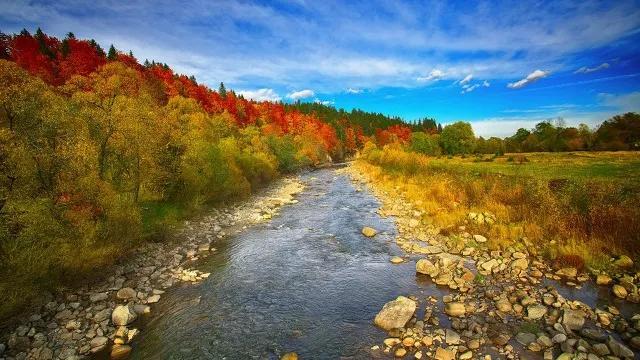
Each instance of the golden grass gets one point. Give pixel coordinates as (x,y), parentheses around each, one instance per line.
(567,214)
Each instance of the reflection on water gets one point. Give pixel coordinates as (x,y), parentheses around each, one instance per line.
(308,281)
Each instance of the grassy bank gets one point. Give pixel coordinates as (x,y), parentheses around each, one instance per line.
(574,207)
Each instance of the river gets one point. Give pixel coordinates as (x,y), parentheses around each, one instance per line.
(308,281)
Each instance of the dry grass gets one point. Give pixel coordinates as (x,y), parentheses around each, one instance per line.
(574,208)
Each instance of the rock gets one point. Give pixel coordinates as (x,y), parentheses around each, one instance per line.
(400,352)
(535,312)
(396,260)
(501,339)
(466,355)
(140,309)
(390,342)
(480,238)
(600,349)
(568,272)
(153,299)
(489,265)
(619,291)
(289,356)
(603,279)
(396,313)
(369,231)
(452,337)
(623,262)
(444,354)
(98,297)
(427,250)
(122,315)
(565,356)
(634,342)
(455,309)
(424,266)
(593,334)
(618,349)
(126,293)
(102,315)
(573,319)
(408,342)
(520,264)
(98,341)
(525,338)
(120,352)
(503,305)
(559,338)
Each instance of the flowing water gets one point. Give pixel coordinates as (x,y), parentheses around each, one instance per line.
(307,281)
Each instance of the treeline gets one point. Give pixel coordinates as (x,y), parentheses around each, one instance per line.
(621,132)
(99,152)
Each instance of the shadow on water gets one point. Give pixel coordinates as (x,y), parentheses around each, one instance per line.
(307,281)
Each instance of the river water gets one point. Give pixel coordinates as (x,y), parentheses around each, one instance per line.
(307,281)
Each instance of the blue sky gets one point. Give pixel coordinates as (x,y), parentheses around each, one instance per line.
(500,65)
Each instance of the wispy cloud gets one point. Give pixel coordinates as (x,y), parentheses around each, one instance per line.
(586,70)
(434,75)
(533,77)
(260,95)
(302,94)
(466,79)
(323,102)
(354,91)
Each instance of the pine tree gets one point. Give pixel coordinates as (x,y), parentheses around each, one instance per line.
(113,54)
(222,91)
(71,35)
(147,64)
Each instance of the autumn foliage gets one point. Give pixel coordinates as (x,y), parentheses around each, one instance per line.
(99,152)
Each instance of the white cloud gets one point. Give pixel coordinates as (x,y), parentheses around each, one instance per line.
(354,91)
(434,75)
(629,102)
(486,83)
(466,79)
(586,70)
(302,94)
(260,95)
(466,88)
(323,102)
(533,77)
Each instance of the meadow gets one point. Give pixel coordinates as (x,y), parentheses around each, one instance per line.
(577,207)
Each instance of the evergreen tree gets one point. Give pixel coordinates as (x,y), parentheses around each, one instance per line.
(71,35)
(222,91)
(113,54)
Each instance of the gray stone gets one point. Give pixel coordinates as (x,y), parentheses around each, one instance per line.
(123,315)
(573,319)
(396,313)
(525,338)
(618,349)
(126,293)
(98,297)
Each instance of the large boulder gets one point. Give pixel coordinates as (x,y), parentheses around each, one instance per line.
(395,314)
(123,315)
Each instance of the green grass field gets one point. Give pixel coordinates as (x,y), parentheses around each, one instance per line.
(622,167)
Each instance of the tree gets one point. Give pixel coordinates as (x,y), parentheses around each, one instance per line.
(621,132)
(112,55)
(425,144)
(458,138)
(222,91)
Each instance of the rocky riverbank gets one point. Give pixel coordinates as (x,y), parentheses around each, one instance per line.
(101,318)
(503,303)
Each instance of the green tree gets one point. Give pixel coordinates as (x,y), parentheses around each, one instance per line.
(458,138)
(112,55)
(425,144)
